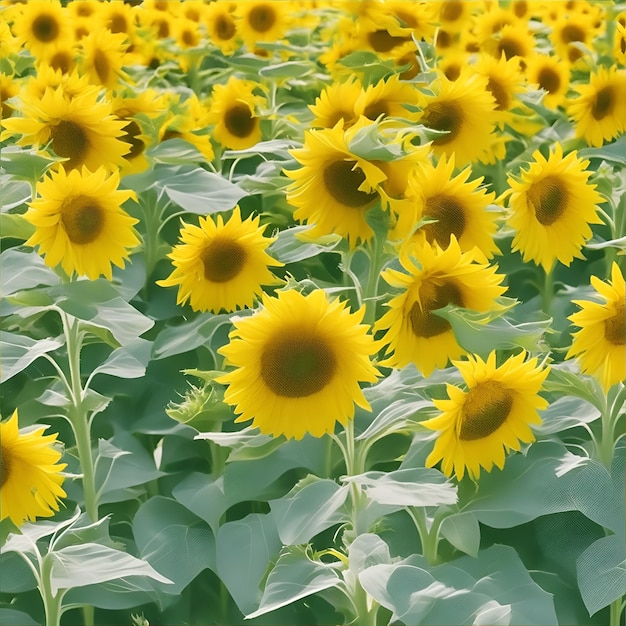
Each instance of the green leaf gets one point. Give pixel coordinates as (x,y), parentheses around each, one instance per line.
(174,541)
(19,351)
(128,361)
(23,270)
(566,412)
(204,496)
(366,551)
(24,164)
(289,247)
(294,576)
(13,225)
(312,506)
(15,575)
(14,193)
(602,572)
(11,617)
(245,549)
(562,380)
(92,563)
(463,532)
(288,69)
(612,152)
(407,487)
(202,192)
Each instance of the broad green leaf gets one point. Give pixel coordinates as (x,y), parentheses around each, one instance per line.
(14,193)
(128,361)
(613,152)
(19,351)
(399,415)
(493,614)
(566,412)
(288,69)
(601,572)
(174,541)
(204,496)
(369,143)
(11,617)
(175,151)
(278,148)
(407,487)
(308,510)
(15,575)
(245,549)
(24,164)
(291,245)
(14,226)
(23,270)
(463,532)
(293,577)
(202,192)
(92,563)
(562,380)
(366,551)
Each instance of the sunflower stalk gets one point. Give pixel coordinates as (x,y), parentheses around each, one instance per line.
(52,603)
(429,538)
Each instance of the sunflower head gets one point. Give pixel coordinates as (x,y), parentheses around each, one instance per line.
(479,425)
(298,364)
(30,473)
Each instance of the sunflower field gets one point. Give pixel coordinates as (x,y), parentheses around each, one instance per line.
(312,312)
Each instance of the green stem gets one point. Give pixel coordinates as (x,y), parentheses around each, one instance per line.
(354,466)
(52,603)
(78,416)
(547,291)
(371,289)
(615,612)
(428,538)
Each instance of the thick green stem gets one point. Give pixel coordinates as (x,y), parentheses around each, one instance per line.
(354,466)
(428,538)
(547,292)
(52,603)
(615,612)
(78,416)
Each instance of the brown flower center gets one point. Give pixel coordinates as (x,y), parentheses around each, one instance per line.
(5,465)
(45,28)
(510,47)
(131,136)
(451,10)
(102,66)
(444,116)
(450,216)
(239,121)
(70,141)
(223,259)
(572,32)
(383,41)
(499,93)
(343,182)
(604,103)
(261,18)
(375,109)
(548,197)
(118,23)
(224,28)
(296,364)
(62,61)
(486,408)
(549,80)
(614,327)
(82,218)
(424,322)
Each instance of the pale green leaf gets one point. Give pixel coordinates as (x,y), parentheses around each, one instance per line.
(463,532)
(291,245)
(128,361)
(23,270)
(19,351)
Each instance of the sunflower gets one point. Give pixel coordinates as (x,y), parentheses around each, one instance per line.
(504,79)
(334,188)
(8,89)
(337,102)
(512,41)
(79,222)
(81,129)
(551,74)
(233,110)
(599,344)
(573,29)
(30,473)
(38,25)
(456,15)
(458,204)
(388,97)
(599,112)
(260,20)
(619,45)
(59,57)
(552,206)
(465,109)
(118,18)
(478,426)
(435,278)
(299,362)
(222,26)
(221,266)
(102,55)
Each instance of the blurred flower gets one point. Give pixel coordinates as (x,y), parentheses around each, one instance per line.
(259,20)
(102,56)
(80,224)
(337,102)
(550,73)
(299,362)
(435,278)
(478,426)
(221,266)
(221,26)
(553,205)
(30,473)
(599,344)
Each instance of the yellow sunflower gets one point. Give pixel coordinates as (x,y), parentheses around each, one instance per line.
(599,112)
(79,222)
(599,344)
(479,426)
(233,110)
(299,362)
(465,109)
(222,26)
(458,204)
(337,102)
(221,266)
(388,97)
(118,17)
(102,56)
(37,25)
(333,189)
(504,79)
(81,129)
(435,278)
(8,89)
(552,206)
(456,15)
(551,74)
(573,29)
(512,41)
(260,20)
(619,45)
(30,473)
(59,57)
